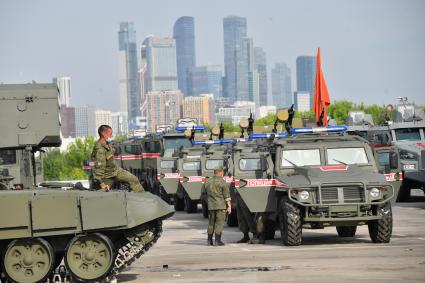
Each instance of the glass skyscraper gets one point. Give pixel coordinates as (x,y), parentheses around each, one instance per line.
(128,72)
(235,65)
(281,86)
(306,74)
(260,65)
(184,34)
(205,79)
(159,55)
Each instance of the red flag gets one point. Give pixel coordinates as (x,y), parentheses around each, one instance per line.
(321,96)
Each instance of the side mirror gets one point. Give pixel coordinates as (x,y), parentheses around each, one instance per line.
(393,160)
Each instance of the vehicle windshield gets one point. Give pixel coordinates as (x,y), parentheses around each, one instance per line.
(250,164)
(346,155)
(167,164)
(300,157)
(214,163)
(192,166)
(408,134)
(7,156)
(177,142)
(384,158)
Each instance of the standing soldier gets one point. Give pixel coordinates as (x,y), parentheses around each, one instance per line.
(106,171)
(218,204)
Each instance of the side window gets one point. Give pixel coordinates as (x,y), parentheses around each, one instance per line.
(152,146)
(132,149)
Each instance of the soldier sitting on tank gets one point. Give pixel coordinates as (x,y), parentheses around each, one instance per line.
(105,169)
(218,196)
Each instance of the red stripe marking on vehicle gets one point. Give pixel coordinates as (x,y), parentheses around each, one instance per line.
(191,179)
(264,183)
(334,168)
(390,177)
(420,144)
(151,155)
(228,179)
(117,157)
(131,157)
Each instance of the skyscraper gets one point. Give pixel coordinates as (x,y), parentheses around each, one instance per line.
(260,64)
(85,122)
(159,55)
(234,31)
(202,108)
(184,34)
(128,72)
(164,108)
(306,74)
(205,79)
(64,86)
(281,85)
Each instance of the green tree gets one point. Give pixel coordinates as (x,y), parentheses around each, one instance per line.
(338,110)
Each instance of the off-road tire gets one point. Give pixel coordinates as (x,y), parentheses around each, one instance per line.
(178,203)
(190,206)
(290,223)
(380,231)
(346,231)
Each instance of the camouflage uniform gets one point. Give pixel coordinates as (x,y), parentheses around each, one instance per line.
(217,193)
(106,171)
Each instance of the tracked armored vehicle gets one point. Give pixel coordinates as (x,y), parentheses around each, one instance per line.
(97,234)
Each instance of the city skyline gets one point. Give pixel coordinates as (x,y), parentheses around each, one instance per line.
(371,51)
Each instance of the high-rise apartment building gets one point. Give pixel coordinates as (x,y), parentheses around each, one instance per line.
(202,108)
(128,71)
(184,34)
(164,108)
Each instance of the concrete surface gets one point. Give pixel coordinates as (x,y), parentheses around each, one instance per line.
(181,254)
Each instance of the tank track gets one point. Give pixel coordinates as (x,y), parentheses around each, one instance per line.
(135,245)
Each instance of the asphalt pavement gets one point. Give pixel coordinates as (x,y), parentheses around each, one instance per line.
(181,254)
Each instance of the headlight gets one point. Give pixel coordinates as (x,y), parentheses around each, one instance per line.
(304,195)
(374,192)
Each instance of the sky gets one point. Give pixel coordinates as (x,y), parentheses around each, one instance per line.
(373,51)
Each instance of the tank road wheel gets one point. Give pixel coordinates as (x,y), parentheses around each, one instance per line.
(28,260)
(190,206)
(290,223)
(89,257)
(346,231)
(204,209)
(178,203)
(380,231)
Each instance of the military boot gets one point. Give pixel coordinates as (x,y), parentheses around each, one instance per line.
(218,241)
(245,238)
(210,240)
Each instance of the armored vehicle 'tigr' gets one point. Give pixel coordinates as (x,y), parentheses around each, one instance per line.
(330,179)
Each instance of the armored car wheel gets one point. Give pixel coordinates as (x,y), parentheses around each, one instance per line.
(28,260)
(380,231)
(404,193)
(290,223)
(346,231)
(178,203)
(190,206)
(89,257)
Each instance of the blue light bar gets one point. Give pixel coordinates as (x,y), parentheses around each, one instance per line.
(266,136)
(184,128)
(330,129)
(223,141)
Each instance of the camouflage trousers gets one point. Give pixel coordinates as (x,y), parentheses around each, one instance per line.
(216,219)
(248,221)
(127,177)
